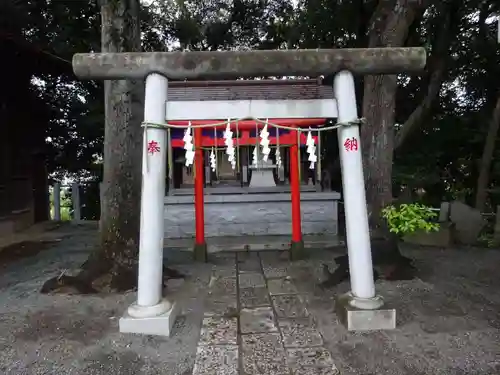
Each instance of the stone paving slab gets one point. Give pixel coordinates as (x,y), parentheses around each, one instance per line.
(223,264)
(251,280)
(248,262)
(217,360)
(221,305)
(257,320)
(254,297)
(310,357)
(289,306)
(251,266)
(224,271)
(218,331)
(222,286)
(299,333)
(281,286)
(275,272)
(264,354)
(314,371)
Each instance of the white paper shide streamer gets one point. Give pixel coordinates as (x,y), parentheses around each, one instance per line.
(264,142)
(213,162)
(188,145)
(228,141)
(277,154)
(254,156)
(311,150)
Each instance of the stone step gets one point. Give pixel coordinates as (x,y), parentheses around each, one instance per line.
(253,243)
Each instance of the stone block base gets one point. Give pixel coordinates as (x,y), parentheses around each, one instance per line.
(200,252)
(248,212)
(297,250)
(355,319)
(160,325)
(444,237)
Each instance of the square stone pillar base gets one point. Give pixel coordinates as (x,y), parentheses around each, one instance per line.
(160,325)
(297,250)
(355,319)
(200,253)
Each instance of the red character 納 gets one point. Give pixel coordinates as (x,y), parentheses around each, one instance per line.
(351,144)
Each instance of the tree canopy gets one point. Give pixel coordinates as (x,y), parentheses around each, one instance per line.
(442,117)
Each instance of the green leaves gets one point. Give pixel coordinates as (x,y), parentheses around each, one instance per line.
(409,218)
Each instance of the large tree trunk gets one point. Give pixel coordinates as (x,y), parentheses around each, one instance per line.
(377,141)
(389,28)
(120,207)
(486,159)
(490,141)
(113,265)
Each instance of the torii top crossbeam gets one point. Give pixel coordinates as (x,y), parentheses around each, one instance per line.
(246,64)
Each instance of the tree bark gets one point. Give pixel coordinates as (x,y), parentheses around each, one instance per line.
(120,208)
(486,159)
(113,264)
(389,27)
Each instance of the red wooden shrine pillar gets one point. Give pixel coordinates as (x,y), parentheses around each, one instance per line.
(200,246)
(297,245)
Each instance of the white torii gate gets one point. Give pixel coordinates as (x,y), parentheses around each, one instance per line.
(154,314)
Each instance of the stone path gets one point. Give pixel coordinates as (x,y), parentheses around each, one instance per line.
(256,322)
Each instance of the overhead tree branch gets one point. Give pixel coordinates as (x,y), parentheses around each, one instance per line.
(436,68)
(484,13)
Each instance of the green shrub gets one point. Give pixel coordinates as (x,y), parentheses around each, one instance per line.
(409,218)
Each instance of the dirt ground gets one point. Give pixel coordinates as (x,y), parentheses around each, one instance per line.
(448,318)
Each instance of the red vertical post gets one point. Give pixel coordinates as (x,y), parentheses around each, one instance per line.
(200,246)
(297,245)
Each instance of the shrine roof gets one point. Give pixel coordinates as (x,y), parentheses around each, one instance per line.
(269,89)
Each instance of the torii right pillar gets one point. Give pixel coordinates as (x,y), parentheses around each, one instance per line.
(361,308)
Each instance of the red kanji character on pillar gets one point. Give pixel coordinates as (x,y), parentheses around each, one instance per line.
(153,147)
(351,144)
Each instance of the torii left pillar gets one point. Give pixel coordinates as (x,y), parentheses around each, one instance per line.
(152,314)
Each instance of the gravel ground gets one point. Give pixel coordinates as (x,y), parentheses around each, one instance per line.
(64,334)
(448,319)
